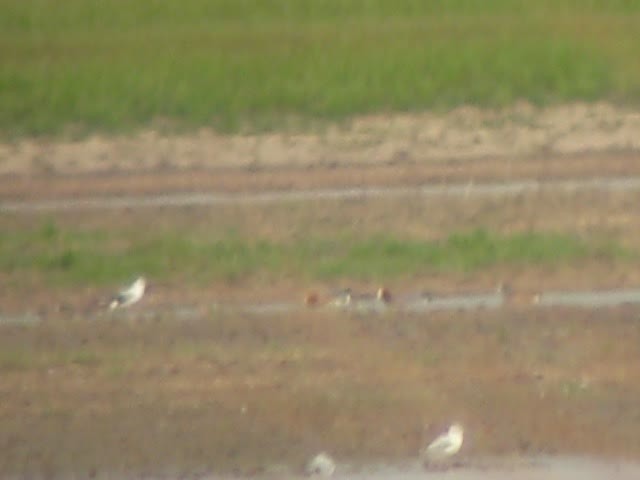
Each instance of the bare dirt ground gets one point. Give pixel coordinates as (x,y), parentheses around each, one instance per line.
(236,393)
(239,393)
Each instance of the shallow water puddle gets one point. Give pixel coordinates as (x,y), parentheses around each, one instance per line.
(557,468)
(413,304)
(591,299)
(462,302)
(547,468)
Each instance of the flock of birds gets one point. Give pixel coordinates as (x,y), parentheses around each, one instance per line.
(346,299)
(343,299)
(435,455)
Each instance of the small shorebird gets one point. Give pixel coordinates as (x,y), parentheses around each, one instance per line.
(129,295)
(341,299)
(322,465)
(367,302)
(443,447)
(311,299)
(383,295)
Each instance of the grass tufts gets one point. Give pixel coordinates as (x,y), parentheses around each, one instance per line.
(102,256)
(111,66)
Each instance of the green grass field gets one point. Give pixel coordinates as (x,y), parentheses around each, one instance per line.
(100,256)
(73,66)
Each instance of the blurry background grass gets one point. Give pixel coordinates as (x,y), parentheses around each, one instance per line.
(73,66)
(99,256)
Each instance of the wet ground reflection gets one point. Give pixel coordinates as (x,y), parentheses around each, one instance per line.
(542,468)
(411,304)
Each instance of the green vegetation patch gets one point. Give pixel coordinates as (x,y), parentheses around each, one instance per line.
(101,256)
(113,65)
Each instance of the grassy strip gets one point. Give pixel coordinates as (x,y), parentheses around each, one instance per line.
(103,256)
(115,66)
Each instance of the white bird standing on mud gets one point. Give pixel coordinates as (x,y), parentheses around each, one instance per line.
(129,295)
(443,447)
(322,465)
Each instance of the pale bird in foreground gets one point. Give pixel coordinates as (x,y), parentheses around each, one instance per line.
(322,465)
(443,447)
(129,295)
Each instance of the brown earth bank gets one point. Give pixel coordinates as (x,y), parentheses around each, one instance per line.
(465,133)
(240,393)
(283,178)
(466,144)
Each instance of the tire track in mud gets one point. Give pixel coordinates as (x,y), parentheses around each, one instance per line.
(213,199)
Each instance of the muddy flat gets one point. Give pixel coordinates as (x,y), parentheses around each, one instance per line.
(246,393)
(150,392)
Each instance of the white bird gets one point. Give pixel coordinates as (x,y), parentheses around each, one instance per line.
(443,447)
(129,295)
(322,465)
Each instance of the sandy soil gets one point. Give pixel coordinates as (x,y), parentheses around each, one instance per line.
(463,134)
(463,145)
